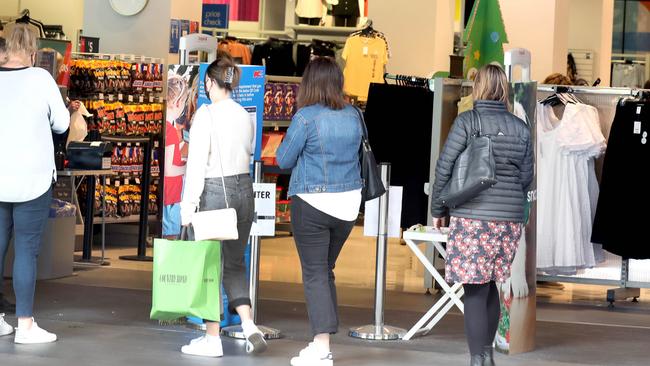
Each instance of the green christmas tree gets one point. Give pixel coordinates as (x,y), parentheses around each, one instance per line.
(484,35)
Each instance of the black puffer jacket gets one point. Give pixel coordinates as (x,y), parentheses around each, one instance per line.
(513,153)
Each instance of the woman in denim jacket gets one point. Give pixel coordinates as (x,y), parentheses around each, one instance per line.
(322,149)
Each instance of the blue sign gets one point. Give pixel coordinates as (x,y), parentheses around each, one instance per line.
(249,93)
(215,16)
(174,35)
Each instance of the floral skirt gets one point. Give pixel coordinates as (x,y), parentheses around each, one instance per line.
(481,251)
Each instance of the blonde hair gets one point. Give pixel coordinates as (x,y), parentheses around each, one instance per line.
(177,89)
(21,42)
(491,83)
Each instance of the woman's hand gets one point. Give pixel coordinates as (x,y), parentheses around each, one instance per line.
(438,222)
(74,106)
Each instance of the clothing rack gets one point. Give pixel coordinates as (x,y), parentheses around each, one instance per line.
(586,90)
(118,57)
(223,32)
(26,19)
(627,288)
(412,81)
(634,58)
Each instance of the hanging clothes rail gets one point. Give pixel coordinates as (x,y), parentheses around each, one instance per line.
(260,32)
(627,288)
(413,81)
(586,90)
(633,58)
(119,57)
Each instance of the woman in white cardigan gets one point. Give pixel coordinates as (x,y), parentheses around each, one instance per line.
(31,109)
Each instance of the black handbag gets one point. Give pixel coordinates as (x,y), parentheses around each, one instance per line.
(373,187)
(474,170)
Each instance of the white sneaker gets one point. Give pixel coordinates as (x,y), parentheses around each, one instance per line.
(5,329)
(310,356)
(204,346)
(255,342)
(34,335)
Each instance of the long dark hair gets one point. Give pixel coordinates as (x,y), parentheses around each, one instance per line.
(322,83)
(224,71)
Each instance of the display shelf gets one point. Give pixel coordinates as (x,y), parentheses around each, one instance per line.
(274,169)
(122,220)
(268,123)
(80,173)
(283,79)
(284,226)
(326,31)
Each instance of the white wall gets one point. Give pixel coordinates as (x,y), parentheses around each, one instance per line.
(146,33)
(591,28)
(183,9)
(68,13)
(420,34)
(9,8)
(535,25)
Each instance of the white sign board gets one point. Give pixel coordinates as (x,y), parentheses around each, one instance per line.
(371,216)
(264,219)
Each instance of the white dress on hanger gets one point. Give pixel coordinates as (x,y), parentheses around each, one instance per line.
(567,187)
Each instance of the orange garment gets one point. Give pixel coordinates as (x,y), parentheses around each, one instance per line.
(240,52)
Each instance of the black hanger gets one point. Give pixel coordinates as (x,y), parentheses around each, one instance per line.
(26,19)
(368,30)
(561,96)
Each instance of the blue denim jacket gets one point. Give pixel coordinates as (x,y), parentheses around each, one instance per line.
(322,148)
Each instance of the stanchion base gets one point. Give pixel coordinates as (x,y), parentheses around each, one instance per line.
(93,262)
(236,332)
(371,332)
(137,258)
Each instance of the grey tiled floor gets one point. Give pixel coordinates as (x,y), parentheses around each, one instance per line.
(100,325)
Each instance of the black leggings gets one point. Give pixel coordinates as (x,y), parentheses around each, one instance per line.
(482,312)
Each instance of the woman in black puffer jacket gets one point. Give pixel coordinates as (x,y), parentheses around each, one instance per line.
(485,231)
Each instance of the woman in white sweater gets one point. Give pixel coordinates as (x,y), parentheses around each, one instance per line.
(31,109)
(221,145)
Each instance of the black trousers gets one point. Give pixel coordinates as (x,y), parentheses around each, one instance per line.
(345,20)
(309,21)
(319,238)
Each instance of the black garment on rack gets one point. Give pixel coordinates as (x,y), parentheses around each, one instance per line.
(349,21)
(399,120)
(316,48)
(346,8)
(277,55)
(623,211)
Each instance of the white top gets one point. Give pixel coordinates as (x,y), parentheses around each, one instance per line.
(31,107)
(344,205)
(567,187)
(309,8)
(224,127)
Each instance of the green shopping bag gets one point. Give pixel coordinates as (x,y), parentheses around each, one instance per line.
(186,280)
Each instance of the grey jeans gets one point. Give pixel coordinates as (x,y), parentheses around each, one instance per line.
(240,197)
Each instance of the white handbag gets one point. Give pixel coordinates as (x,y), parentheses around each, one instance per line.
(216,224)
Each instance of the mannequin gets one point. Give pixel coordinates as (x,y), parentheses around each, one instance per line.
(310,12)
(346,13)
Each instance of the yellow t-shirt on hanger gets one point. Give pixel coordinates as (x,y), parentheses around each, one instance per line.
(365,62)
